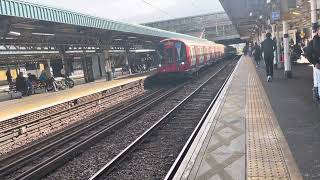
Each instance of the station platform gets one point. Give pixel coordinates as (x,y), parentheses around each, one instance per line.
(18,107)
(255,132)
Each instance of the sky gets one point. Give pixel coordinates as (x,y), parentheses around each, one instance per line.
(137,11)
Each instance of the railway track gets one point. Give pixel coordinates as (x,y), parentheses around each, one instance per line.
(24,130)
(46,159)
(65,146)
(152,154)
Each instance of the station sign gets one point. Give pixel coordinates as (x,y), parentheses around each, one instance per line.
(275,16)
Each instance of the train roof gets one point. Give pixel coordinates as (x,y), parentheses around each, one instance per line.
(202,42)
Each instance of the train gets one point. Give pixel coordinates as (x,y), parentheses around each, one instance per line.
(185,57)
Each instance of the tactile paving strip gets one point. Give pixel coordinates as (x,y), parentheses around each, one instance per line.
(265,158)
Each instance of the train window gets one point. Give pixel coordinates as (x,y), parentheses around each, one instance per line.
(192,52)
(168,56)
(181,52)
(201,55)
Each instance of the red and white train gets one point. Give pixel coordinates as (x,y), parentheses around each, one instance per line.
(186,57)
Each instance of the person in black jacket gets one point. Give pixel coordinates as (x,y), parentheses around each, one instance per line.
(257,54)
(21,84)
(9,76)
(268,47)
(312,53)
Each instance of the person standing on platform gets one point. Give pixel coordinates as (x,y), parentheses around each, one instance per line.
(312,53)
(21,84)
(268,47)
(257,54)
(9,76)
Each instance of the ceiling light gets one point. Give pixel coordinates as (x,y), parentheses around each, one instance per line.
(43,34)
(13,33)
(295,13)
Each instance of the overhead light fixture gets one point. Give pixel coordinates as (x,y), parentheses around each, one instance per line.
(13,33)
(131,37)
(261,17)
(43,34)
(250,14)
(295,13)
(117,39)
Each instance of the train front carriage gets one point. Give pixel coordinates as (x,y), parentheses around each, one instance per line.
(175,57)
(180,57)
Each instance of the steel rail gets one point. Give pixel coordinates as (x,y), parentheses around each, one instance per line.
(194,134)
(74,108)
(122,155)
(78,130)
(63,156)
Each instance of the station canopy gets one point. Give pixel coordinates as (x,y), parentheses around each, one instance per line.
(28,27)
(249,16)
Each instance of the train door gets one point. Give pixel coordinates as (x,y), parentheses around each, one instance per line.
(197,56)
(193,56)
(208,54)
(205,52)
(215,52)
(201,55)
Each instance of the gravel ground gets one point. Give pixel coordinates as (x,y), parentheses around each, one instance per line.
(51,125)
(85,165)
(64,146)
(154,157)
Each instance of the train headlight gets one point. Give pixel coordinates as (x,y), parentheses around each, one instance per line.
(160,65)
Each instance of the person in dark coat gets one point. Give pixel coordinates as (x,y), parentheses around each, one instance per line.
(268,47)
(9,76)
(21,84)
(312,53)
(257,54)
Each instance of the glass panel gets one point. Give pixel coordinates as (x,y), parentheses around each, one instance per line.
(167,55)
(1,4)
(7,10)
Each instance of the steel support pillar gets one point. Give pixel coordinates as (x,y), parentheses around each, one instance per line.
(316,72)
(313,4)
(127,53)
(274,35)
(287,63)
(48,68)
(65,64)
(109,76)
(278,52)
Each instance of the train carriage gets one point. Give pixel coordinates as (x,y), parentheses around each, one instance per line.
(186,57)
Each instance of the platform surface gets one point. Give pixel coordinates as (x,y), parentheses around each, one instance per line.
(14,108)
(241,138)
(298,116)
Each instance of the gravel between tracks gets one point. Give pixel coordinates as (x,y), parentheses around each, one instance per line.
(91,160)
(154,157)
(58,149)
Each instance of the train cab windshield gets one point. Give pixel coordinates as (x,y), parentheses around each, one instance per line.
(172,52)
(168,55)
